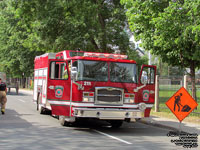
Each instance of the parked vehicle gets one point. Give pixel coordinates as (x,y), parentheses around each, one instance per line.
(9,84)
(78,84)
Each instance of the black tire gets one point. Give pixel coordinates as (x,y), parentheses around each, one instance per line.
(39,108)
(116,123)
(38,97)
(63,122)
(42,110)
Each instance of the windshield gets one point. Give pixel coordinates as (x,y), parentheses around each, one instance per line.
(92,70)
(98,71)
(123,72)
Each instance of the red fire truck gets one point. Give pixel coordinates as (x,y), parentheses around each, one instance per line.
(78,84)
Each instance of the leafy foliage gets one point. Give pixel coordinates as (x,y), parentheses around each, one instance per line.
(15,57)
(30,28)
(169,29)
(88,25)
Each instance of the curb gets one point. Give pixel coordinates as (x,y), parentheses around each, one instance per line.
(160,125)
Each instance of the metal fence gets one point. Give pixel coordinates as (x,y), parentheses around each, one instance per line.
(169,85)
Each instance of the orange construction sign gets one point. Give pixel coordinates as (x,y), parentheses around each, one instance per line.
(181,104)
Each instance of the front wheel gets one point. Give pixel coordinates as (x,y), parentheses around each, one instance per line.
(67,121)
(116,123)
(63,122)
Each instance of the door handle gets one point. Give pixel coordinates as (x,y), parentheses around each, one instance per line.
(51,87)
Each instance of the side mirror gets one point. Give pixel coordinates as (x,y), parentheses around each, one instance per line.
(74,73)
(144,78)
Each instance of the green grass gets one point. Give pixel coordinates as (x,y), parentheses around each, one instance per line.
(190,118)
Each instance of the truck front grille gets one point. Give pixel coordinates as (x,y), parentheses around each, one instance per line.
(109,95)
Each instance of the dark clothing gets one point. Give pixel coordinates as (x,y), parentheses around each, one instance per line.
(2,86)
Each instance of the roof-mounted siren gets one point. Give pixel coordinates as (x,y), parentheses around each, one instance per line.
(106,55)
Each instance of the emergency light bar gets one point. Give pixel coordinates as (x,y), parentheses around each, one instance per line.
(101,55)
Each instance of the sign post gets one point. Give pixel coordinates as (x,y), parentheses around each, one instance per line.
(181,104)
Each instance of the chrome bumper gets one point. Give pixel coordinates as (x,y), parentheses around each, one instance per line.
(106,114)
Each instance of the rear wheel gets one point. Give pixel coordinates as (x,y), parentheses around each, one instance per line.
(116,123)
(38,97)
(42,110)
(39,108)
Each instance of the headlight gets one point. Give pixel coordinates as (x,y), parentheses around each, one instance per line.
(129,98)
(85,99)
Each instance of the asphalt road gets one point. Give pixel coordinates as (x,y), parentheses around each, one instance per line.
(23,128)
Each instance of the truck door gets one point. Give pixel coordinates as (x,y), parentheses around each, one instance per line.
(147,79)
(58,87)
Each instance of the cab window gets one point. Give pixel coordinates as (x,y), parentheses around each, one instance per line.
(148,75)
(58,70)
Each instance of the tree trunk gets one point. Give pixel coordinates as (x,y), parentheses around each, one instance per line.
(95,44)
(103,36)
(103,43)
(192,75)
(24,82)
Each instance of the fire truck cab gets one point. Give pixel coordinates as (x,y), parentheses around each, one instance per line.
(78,84)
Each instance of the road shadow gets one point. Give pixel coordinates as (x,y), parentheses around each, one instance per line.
(21,93)
(19,134)
(13,120)
(127,129)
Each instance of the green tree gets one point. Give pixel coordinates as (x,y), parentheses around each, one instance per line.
(87,24)
(15,59)
(30,28)
(168,28)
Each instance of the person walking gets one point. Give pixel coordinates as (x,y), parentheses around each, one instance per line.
(3,99)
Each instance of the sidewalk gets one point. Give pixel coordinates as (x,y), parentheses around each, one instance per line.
(158,121)
(172,124)
(26,91)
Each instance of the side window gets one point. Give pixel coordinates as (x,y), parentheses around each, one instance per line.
(148,76)
(63,71)
(75,64)
(58,70)
(52,70)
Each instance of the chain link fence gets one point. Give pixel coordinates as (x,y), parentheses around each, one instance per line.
(20,82)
